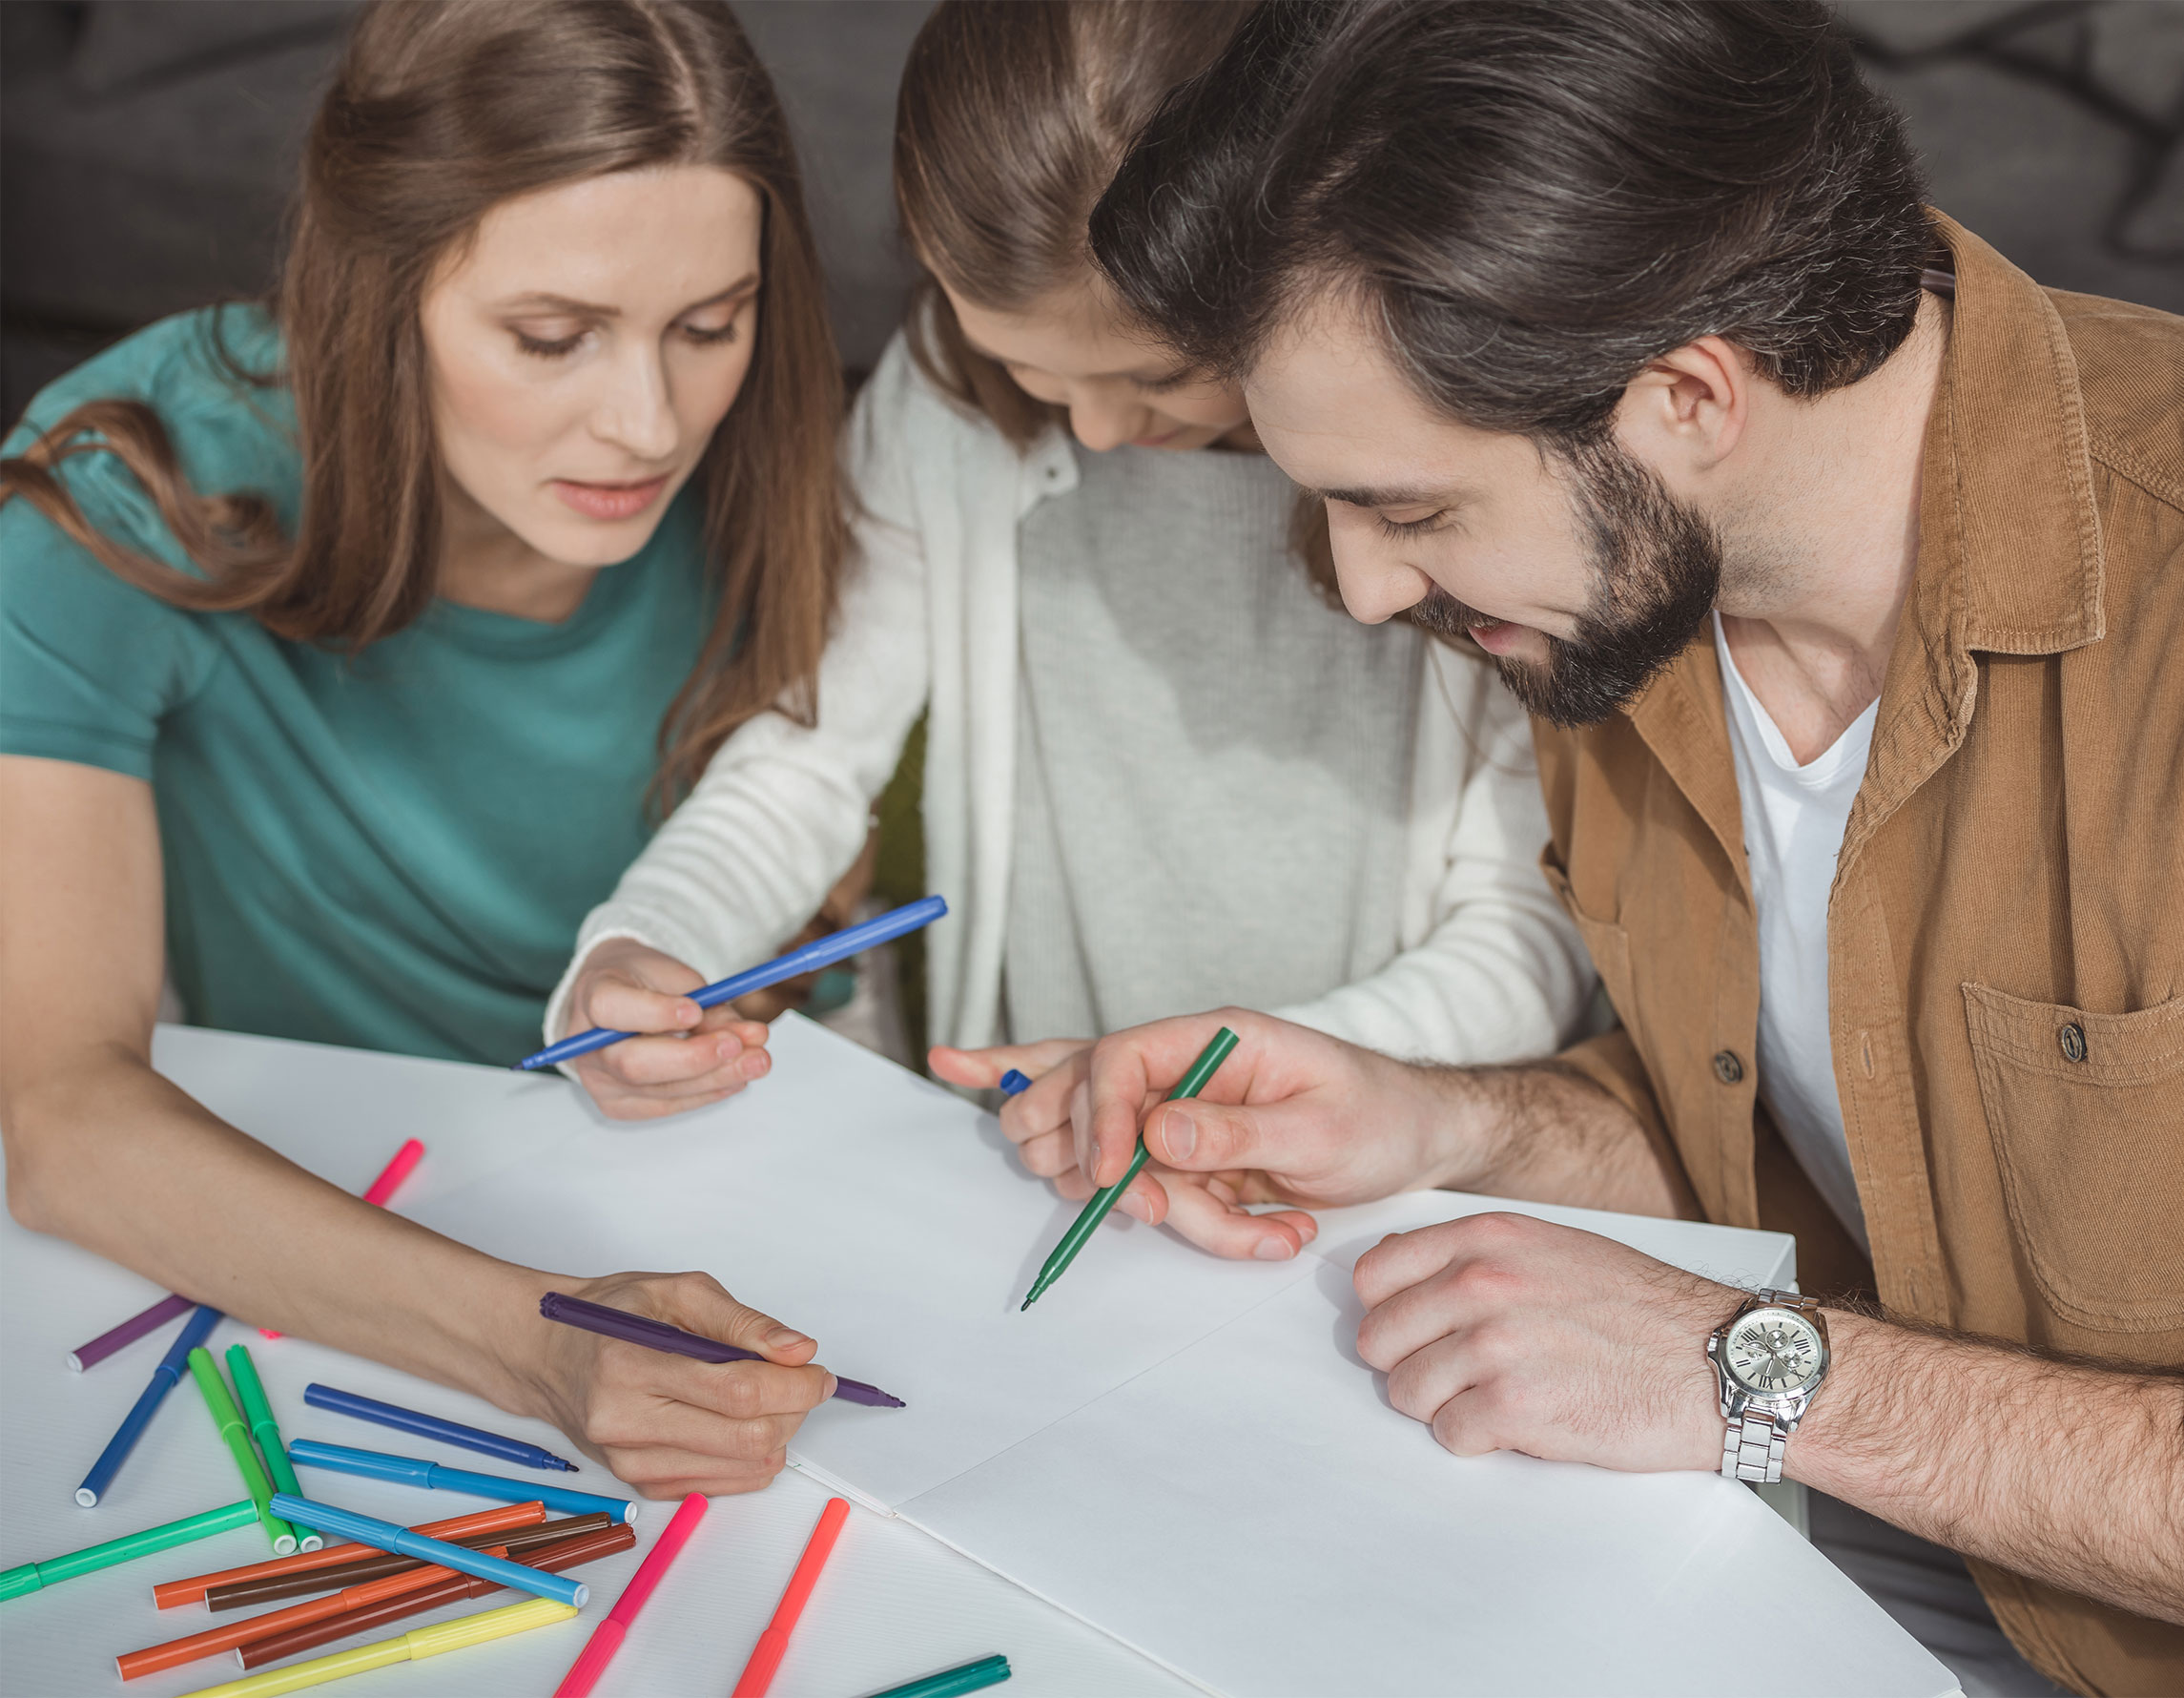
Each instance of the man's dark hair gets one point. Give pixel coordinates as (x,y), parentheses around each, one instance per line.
(1533,198)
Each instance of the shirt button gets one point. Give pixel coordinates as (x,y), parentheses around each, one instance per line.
(2072,1038)
(1728,1068)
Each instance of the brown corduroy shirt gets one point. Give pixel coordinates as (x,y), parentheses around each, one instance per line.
(2005,930)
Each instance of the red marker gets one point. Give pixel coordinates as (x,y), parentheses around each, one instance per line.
(606,1638)
(766,1656)
(383,1187)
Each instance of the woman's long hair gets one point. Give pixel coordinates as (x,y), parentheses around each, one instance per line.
(436,113)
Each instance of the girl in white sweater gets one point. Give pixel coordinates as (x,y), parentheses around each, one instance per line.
(1079,567)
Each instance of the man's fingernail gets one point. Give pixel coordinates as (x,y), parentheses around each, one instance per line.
(785,1338)
(1180,1136)
(1273,1250)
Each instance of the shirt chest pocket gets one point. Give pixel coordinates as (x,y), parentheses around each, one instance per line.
(2087,1116)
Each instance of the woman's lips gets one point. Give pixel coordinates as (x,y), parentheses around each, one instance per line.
(610,500)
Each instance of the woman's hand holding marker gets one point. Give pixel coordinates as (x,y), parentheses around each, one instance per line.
(695,1056)
(665,1424)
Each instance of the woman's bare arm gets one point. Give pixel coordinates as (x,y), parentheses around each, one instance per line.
(104,1152)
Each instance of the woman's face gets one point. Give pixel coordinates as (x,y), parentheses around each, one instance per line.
(1071,350)
(582,347)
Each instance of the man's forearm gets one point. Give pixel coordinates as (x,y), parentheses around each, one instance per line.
(2067,1474)
(1545,1134)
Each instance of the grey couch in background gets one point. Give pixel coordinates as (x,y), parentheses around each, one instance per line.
(146,147)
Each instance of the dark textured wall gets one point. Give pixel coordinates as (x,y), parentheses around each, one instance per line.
(146,145)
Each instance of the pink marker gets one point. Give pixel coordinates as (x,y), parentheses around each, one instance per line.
(606,1638)
(383,1187)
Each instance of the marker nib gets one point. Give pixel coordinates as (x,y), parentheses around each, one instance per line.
(1028,1302)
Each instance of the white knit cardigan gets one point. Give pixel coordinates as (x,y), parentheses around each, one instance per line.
(1491,968)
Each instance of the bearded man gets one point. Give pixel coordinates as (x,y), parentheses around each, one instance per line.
(1843,568)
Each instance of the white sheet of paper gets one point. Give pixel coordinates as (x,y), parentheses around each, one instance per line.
(1184,1452)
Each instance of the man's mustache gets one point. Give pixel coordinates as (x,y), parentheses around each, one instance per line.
(1443,615)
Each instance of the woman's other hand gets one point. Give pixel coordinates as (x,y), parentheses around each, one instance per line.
(686,1057)
(670,1425)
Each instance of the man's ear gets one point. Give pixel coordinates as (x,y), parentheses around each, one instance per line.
(1688,409)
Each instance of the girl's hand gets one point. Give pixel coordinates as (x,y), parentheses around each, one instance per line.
(699,1056)
(666,1424)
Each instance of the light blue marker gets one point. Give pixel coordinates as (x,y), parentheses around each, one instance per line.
(375,1464)
(165,1377)
(367,1529)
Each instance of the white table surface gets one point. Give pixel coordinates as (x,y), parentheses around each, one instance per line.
(893,1605)
(913,1606)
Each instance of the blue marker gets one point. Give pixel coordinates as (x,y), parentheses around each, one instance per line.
(1014,1084)
(431,1427)
(821,952)
(366,1529)
(339,1458)
(165,1377)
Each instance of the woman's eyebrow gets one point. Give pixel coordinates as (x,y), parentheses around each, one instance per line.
(546,301)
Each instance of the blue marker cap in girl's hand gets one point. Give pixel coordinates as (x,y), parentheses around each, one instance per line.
(1012,1083)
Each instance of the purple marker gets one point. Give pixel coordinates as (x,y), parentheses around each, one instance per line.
(657,1334)
(165,1310)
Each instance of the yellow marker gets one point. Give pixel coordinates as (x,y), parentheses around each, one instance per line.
(421,1642)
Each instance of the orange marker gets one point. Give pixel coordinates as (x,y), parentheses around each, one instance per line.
(215,1640)
(765,1655)
(173,1593)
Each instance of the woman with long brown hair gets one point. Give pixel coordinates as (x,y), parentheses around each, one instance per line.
(1162,773)
(348,651)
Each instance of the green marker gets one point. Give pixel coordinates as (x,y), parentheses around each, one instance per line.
(971,1677)
(229,1420)
(1209,1060)
(267,1431)
(30,1577)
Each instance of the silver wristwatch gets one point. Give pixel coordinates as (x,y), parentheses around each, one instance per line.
(1770,1357)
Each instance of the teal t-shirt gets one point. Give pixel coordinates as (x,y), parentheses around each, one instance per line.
(390,850)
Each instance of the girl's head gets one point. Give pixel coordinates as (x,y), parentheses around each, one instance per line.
(548,262)
(1013,115)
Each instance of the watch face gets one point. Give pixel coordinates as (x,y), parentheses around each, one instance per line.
(1773,1352)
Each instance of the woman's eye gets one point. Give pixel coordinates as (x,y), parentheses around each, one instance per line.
(548,348)
(706,336)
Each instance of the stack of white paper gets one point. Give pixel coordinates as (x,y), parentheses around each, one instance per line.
(1186,1452)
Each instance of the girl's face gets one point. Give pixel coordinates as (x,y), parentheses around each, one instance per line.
(584,345)
(1071,350)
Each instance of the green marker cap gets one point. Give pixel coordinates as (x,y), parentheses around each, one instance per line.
(237,1437)
(258,1412)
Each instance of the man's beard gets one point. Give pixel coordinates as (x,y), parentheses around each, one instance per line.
(1657,571)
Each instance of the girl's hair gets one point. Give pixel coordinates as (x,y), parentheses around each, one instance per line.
(435,114)
(1013,115)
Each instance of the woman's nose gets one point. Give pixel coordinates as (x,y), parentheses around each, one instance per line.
(639,414)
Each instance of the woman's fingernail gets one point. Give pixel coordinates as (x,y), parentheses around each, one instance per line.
(1136,1207)
(785,1338)
(1273,1250)
(688,1014)
(754,1065)
(1180,1136)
